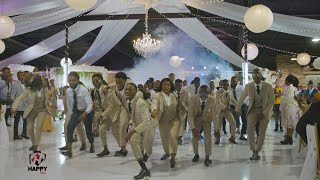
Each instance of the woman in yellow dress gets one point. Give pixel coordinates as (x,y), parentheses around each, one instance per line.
(47,125)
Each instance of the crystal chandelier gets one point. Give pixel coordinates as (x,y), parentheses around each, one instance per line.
(146,47)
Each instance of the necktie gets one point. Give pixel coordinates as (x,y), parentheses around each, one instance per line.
(258,89)
(75,102)
(196,91)
(178,95)
(234,94)
(203,105)
(129,107)
(97,95)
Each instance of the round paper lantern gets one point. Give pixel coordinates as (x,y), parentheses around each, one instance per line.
(80,4)
(2,46)
(258,18)
(7,27)
(303,59)
(316,63)
(63,61)
(175,61)
(252,51)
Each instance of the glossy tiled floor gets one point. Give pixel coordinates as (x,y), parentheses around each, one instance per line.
(230,162)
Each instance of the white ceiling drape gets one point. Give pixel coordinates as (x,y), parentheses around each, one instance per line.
(110,34)
(281,23)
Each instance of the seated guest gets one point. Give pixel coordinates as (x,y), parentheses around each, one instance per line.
(310,117)
(310,92)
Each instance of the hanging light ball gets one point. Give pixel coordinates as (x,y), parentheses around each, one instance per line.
(258,18)
(252,51)
(80,4)
(316,63)
(175,61)
(63,62)
(2,46)
(7,27)
(303,59)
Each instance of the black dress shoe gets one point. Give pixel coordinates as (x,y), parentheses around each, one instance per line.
(64,148)
(17,138)
(196,158)
(232,140)
(207,162)
(287,140)
(31,149)
(143,173)
(242,138)
(172,163)
(105,152)
(145,157)
(83,147)
(122,153)
(164,157)
(92,148)
(67,153)
(225,132)
(255,156)
(25,136)
(276,130)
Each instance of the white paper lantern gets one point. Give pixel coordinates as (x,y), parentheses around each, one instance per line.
(252,51)
(303,59)
(258,18)
(63,61)
(316,63)
(2,46)
(175,61)
(7,27)
(80,4)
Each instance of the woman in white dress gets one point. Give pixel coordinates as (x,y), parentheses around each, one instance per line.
(4,136)
(289,108)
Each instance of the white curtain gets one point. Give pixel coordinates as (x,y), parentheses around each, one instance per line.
(282,23)
(54,42)
(110,34)
(196,30)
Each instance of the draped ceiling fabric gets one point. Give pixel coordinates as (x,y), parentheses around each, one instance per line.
(54,42)
(106,40)
(282,23)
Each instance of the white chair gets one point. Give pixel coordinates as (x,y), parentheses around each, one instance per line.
(309,171)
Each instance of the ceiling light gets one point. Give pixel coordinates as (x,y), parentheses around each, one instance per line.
(315,39)
(293,59)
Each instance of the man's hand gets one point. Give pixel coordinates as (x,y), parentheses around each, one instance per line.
(195,133)
(154,114)
(83,117)
(13,112)
(129,135)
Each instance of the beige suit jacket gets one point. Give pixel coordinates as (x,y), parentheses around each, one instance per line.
(266,94)
(31,96)
(111,105)
(140,115)
(182,103)
(227,101)
(209,113)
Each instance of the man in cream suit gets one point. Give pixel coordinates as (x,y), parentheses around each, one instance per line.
(142,131)
(121,118)
(226,98)
(260,105)
(202,110)
(182,96)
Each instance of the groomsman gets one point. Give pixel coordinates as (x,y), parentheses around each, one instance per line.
(79,105)
(260,105)
(202,110)
(226,98)
(121,118)
(182,96)
(141,136)
(17,89)
(98,100)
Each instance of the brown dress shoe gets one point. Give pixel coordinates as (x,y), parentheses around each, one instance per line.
(83,147)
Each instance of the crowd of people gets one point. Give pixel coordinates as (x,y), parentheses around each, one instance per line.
(132,112)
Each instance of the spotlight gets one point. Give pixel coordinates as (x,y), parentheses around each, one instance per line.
(217,67)
(204,67)
(315,39)
(192,67)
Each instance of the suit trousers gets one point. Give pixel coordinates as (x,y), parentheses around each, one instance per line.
(17,117)
(169,133)
(7,114)
(120,126)
(229,116)
(142,142)
(105,124)
(74,122)
(182,127)
(256,115)
(207,136)
(96,120)
(244,109)
(79,130)
(31,118)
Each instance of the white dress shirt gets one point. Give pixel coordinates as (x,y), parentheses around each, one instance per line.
(83,98)
(239,90)
(191,90)
(260,85)
(167,98)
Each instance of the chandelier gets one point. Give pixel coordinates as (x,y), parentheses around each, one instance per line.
(146,47)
